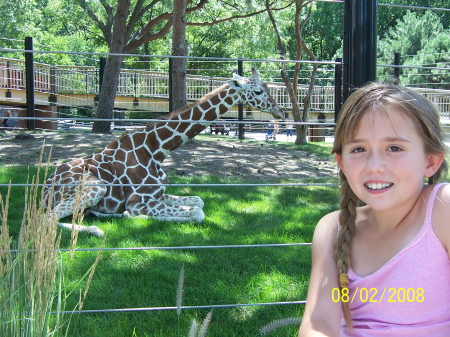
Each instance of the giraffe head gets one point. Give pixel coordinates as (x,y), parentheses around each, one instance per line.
(255,94)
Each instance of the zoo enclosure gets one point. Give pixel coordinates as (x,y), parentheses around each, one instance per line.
(84,81)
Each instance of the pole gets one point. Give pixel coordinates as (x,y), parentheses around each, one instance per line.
(360,36)
(170,84)
(29,83)
(337,88)
(397,69)
(240,105)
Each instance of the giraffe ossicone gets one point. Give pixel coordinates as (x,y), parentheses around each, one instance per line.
(126,178)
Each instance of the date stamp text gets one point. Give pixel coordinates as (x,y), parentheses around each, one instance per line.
(375,295)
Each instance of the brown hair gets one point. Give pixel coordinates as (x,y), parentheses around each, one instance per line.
(372,96)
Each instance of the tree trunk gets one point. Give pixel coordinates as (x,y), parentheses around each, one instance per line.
(179,48)
(112,69)
(108,92)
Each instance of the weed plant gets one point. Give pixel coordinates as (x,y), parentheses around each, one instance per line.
(32,285)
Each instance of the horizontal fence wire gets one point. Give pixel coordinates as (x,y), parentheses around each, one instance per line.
(185,185)
(114,249)
(216,306)
(11,50)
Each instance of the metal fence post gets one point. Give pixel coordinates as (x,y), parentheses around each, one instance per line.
(170,84)
(396,68)
(29,71)
(240,105)
(360,36)
(337,88)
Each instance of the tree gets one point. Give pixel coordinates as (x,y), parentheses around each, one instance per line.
(117,28)
(388,16)
(179,48)
(292,85)
(421,40)
(434,54)
(324,31)
(125,28)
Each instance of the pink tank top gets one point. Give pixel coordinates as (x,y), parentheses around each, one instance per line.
(409,295)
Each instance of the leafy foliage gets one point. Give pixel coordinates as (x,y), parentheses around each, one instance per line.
(421,40)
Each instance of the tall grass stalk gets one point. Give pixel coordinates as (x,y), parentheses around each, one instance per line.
(180,291)
(31,275)
(196,331)
(279,323)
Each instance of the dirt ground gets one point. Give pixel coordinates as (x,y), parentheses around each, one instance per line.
(220,156)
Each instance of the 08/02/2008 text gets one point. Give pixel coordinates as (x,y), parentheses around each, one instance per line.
(392,295)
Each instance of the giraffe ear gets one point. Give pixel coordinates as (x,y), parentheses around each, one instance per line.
(236,85)
(255,76)
(237,77)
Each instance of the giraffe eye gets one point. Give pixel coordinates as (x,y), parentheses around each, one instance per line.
(258,92)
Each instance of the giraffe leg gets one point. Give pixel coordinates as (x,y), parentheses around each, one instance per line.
(68,205)
(193,201)
(103,215)
(161,210)
(179,213)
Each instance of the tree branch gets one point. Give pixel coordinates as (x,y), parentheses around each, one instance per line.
(200,5)
(109,10)
(104,27)
(148,36)
(211,23)
(134,18)
(280,44)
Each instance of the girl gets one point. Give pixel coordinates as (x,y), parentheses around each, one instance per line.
(380,265)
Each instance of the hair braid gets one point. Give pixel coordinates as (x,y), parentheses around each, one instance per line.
(347,219)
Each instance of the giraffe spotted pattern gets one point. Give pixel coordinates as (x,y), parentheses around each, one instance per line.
(126,177)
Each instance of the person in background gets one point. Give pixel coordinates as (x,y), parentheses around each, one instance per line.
(7,117)
(289,129)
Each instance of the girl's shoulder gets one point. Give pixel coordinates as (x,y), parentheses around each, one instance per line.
(327,229)
(441,215)
(442,201)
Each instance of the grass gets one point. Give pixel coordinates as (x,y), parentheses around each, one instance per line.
(150,278)
(212,277)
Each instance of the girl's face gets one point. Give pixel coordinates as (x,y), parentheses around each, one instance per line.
(385,161)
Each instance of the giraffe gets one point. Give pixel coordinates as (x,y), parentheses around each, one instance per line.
(126,178)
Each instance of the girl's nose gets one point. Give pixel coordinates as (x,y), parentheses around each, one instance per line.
(375,162)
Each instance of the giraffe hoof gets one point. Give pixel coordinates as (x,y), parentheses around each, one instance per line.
(94,230)
(197,214)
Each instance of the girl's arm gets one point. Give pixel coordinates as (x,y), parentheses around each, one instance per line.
(322,315)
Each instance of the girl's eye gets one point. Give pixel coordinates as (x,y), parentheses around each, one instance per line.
(358,149)
(394,148)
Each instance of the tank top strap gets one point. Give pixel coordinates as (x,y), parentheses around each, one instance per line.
(429,213)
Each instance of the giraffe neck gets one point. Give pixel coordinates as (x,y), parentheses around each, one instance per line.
(166,136)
